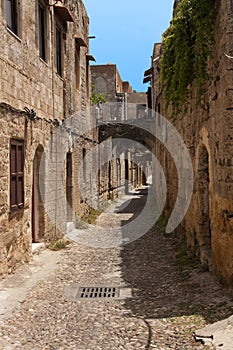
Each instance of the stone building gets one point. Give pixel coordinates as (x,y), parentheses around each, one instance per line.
(120,172)
(44,113)
(106,79)
(207,131)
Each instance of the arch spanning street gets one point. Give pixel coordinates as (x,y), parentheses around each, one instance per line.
(141,130)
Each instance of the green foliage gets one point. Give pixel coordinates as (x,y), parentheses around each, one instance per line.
(96,99)
(162,222)
(92,216)
(185,51)
(59,244)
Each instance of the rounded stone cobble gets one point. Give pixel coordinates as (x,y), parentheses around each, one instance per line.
(171,297)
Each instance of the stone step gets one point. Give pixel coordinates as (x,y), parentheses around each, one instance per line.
(70,226)
(37,246)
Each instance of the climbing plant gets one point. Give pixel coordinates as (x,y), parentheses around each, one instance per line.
(186,48)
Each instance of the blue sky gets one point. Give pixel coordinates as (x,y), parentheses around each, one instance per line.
(125,32)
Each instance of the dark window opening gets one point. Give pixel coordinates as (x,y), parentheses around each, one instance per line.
(77,66)
(141,110)
(11,16)
(59,51)
(149,98)
(16,174)
(42,32)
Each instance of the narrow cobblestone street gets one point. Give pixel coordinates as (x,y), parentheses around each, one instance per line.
(170,296)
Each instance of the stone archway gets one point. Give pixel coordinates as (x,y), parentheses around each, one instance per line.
(110,195)
(126,173)
(204,226)
(38,215)
(69,186)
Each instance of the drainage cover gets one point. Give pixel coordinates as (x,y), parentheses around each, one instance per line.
(98,292)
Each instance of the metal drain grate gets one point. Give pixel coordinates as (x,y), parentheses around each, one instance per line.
(98,292)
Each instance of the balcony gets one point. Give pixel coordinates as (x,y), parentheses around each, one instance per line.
(61,10)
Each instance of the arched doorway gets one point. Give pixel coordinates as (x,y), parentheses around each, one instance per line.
(38,217)
(109,180)
(69,186)
(126,173)
(204,227)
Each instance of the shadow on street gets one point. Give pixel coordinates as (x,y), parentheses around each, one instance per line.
(166,281)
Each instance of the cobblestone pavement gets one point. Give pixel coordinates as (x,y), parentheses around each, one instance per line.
(171,297)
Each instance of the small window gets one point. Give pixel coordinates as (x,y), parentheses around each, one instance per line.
(12,15)
(42,31)
(16,174)
(141,110)
(77,66)
(59,50)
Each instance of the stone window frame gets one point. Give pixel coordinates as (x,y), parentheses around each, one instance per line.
(59,49)
(42,33)
(17,161)
(16,16)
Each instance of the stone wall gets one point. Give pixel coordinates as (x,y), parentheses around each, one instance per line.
(208,133)
(56,122)
(136,105)
(104,78)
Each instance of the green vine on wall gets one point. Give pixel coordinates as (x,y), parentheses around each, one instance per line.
(185,51)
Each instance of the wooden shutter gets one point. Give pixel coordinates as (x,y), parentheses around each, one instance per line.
(16,174)
(13,176)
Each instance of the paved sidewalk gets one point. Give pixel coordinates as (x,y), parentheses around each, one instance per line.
(164,298)
(218,334)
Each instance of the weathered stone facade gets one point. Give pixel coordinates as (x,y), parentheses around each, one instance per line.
(44,65)
(208,132)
